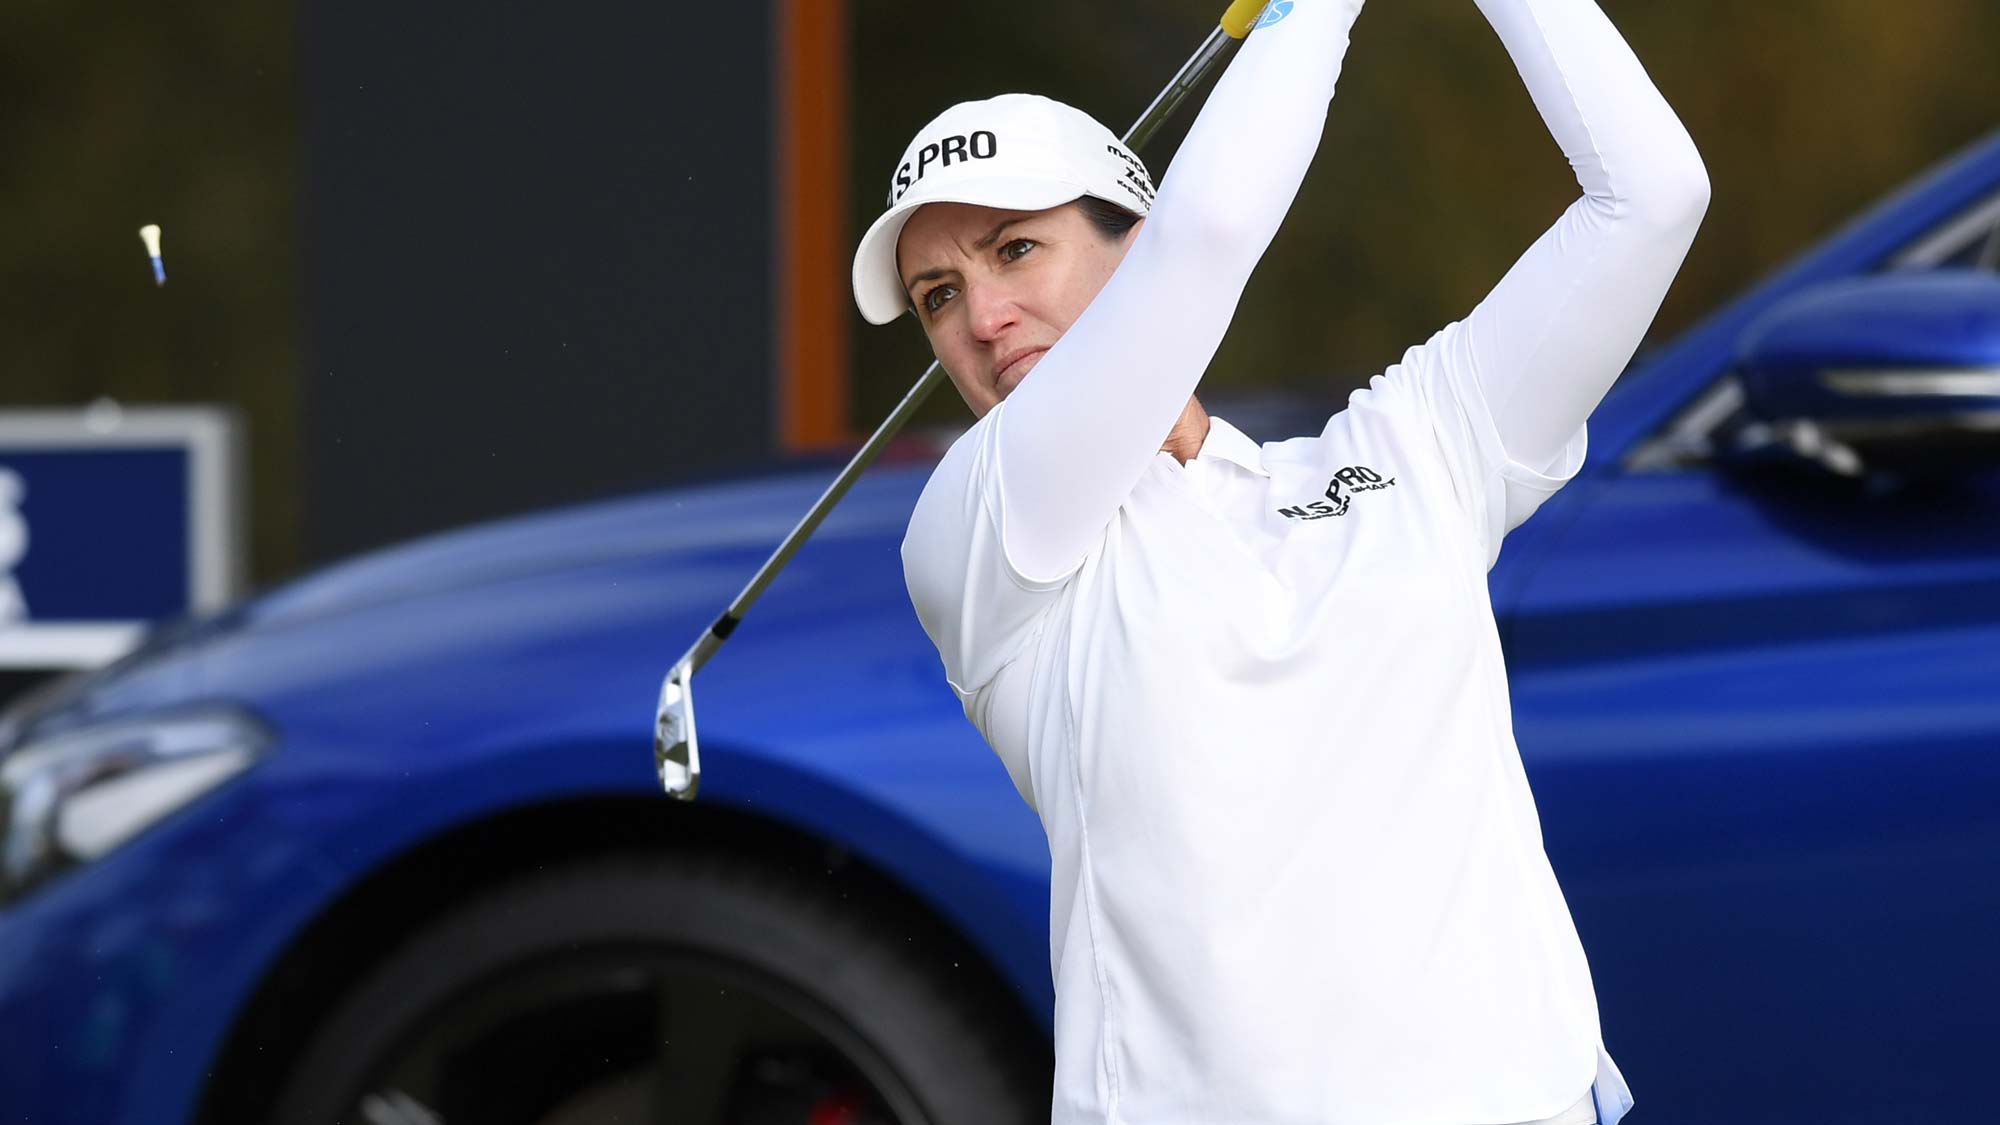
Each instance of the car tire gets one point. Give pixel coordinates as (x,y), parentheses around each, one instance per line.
(906,1020)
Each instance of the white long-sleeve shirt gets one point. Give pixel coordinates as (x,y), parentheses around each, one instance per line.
(1258,699)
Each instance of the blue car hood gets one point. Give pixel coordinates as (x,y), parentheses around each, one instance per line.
(737,518)
(733,525)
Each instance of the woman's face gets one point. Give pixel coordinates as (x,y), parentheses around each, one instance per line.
(994,288)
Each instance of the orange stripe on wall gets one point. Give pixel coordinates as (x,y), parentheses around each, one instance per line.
(814,309)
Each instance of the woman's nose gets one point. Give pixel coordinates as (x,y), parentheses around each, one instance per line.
(993,310)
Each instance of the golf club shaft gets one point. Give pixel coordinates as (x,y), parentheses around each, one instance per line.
(1235,24)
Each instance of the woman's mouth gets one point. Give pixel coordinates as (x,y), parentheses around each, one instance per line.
(1016,370)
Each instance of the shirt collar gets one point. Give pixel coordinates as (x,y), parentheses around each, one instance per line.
(1226,442)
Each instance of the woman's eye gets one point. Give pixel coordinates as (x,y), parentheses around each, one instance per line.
(931,300)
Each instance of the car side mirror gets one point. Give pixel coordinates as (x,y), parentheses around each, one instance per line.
(1898,372)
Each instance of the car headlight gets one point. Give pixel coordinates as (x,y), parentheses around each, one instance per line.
(72,797)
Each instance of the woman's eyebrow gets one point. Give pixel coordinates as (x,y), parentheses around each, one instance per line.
(927,275)
(992,236)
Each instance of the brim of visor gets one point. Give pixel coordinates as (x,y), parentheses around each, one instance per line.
(878,288)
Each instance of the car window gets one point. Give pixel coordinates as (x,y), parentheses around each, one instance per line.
(1968,239)
(1965,256)
(1959,240)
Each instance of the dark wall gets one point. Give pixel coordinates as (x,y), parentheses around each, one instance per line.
(536,253)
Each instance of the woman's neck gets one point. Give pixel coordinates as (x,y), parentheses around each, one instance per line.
(1190,430)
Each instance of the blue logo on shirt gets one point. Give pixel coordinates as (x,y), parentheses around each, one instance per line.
(1278,10)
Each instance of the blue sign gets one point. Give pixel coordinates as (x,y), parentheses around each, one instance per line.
(112,519)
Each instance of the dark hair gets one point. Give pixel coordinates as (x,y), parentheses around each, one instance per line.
(1111,220)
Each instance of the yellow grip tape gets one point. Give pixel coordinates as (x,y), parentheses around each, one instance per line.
(1241,14)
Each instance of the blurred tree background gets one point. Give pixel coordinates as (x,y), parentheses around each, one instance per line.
(1434,174)
(114,115)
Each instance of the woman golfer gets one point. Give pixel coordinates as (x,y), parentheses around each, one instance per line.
(1255,692)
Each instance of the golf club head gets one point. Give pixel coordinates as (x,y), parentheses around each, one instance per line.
(674,755)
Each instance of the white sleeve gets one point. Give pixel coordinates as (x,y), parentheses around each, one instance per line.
(1509,387)
(1071,442)
(977,609)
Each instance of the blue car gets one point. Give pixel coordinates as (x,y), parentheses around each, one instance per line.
(385,844)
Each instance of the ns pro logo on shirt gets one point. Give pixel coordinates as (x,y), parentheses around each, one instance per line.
(1339,493)
(943,153)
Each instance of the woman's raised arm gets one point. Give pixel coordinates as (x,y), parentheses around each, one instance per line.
(1546,344)
(1074,439)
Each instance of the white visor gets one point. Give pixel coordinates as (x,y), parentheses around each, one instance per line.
(1018,152)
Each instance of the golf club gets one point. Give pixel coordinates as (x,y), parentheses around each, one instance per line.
(676,756)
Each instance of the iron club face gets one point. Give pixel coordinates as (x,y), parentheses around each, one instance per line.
(675,757)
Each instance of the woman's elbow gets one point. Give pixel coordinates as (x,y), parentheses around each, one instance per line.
(1689,187)
(1213,244)
(1674,192)
(1208,224)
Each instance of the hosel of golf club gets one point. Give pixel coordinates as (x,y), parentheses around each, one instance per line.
(675,756)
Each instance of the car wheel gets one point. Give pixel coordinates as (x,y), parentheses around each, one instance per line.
(660,989)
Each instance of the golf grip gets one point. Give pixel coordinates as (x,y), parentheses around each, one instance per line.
(1241,17)
(1234,25)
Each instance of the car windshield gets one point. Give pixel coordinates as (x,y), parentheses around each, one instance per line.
(1967,240)
(1988,257)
